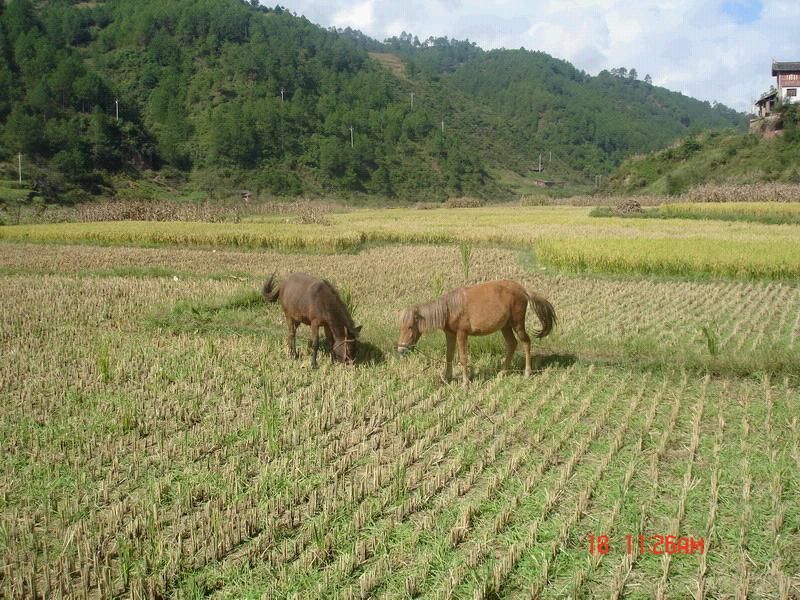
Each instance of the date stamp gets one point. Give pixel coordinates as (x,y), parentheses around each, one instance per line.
(647,544)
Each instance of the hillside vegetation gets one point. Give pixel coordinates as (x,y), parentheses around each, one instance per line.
(588,123)
(714,157)
(224,94)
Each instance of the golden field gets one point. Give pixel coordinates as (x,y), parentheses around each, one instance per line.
(567,236)
(768,212)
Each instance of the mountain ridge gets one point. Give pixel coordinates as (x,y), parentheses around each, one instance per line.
(223,94)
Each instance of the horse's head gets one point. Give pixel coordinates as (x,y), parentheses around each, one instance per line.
(409,329)
(344,349)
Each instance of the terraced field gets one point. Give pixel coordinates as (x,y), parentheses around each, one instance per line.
(155,440)
(561,237)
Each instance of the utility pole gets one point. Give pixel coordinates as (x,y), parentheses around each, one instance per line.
(116,107)
(412,99)
(282,90)
(550,159)
(442,125)
(19,166)
(540,162)
(351,136)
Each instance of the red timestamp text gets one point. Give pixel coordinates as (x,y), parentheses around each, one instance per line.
(648,544)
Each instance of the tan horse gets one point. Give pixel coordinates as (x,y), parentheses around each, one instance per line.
(478,310)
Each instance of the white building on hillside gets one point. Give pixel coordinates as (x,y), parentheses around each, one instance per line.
(788,76)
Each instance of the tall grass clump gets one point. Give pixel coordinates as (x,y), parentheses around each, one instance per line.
(346,294)
(104,363)
(712,339)
(466,253)
(437,284)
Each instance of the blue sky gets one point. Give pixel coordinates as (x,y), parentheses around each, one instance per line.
(717,50)
(743,12)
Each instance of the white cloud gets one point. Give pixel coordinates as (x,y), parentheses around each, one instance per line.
(699,47)
(358,16)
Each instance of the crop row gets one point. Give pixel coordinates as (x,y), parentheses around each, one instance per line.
(743,259)
(764,212)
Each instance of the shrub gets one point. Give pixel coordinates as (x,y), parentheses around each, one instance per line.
(463,202)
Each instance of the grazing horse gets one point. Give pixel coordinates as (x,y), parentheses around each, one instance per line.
(478,310)
(315,302)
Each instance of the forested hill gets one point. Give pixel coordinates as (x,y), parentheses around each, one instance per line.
(589,122)
(228,94)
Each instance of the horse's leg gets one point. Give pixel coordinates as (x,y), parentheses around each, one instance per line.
(451,350)
(511,346)
(526,345)
(329,339)
(314,343)
(461,338)
(292,325)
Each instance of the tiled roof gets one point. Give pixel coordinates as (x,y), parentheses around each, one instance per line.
(782,67)
(766,96)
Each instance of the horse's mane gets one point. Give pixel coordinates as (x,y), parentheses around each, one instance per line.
(341,309)
(433,315)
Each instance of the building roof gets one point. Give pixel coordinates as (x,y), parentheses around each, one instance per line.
(766,96)
(783,67)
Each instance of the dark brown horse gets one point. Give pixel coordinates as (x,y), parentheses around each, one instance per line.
(315,302)
(478,310)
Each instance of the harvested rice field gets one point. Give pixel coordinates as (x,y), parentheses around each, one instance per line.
(156,441)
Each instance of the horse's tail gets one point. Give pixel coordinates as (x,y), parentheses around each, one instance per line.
(545,312)
(269,291)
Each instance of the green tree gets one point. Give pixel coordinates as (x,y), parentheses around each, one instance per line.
(24,133)
(103,141)
(18,17)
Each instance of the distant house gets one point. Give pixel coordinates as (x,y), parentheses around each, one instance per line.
(788,76)
(766,103)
